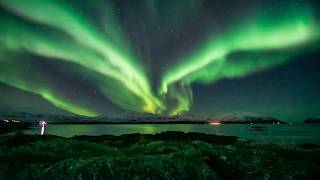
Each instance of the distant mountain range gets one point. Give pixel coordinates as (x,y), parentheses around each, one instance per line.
(246,118)
(145,118)
(122,118)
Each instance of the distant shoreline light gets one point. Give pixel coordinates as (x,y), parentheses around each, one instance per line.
(215,122)
(42,122)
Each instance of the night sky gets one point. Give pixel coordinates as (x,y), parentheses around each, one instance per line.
(169,57)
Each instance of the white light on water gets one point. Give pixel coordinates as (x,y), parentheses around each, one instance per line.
(42,130)
(42,124)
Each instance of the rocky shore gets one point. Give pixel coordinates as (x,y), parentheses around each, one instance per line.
(169,155)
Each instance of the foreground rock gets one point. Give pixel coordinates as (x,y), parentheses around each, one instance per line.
(170,166)
(169,155)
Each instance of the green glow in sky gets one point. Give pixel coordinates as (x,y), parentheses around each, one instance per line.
(211,63)
(258,42)
(86,47)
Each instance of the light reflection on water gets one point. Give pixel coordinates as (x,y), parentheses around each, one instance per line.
(283,133)
(42,126)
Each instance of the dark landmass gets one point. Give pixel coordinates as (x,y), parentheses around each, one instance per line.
(169,155)
(142,118)
(309,146)
(235,118)
(7,126)
(312,121)
(258,128)
(255,121)
(136,122)
(247,118)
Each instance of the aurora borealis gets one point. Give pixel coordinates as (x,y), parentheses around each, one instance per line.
(95,57)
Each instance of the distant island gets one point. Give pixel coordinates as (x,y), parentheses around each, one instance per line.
(312,121)
(246,118)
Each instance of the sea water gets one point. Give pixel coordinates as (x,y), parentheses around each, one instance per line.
(277,133)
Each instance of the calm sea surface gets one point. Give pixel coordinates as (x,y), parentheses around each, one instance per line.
(283,133)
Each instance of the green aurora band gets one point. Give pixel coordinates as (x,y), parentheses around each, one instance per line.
(247,47)
(95,50)
(263,43)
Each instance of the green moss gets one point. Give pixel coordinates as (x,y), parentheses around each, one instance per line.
(160,156)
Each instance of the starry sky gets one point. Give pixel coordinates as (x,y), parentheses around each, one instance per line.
(168,57)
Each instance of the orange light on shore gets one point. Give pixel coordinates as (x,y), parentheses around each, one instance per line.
(215,123)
